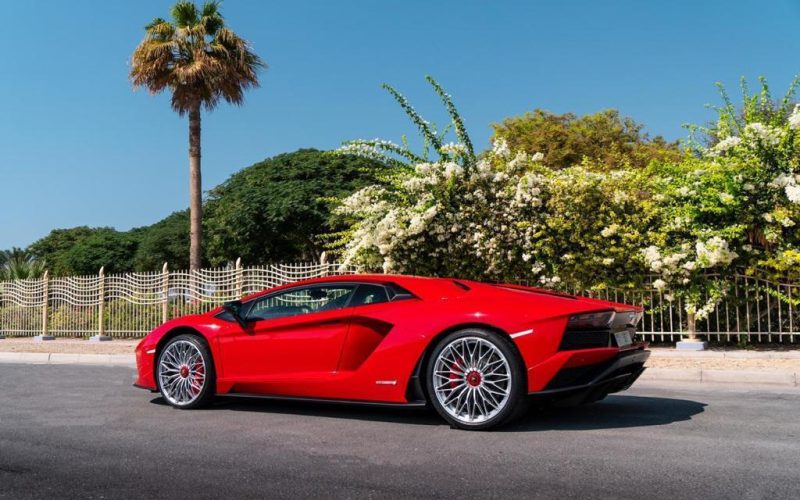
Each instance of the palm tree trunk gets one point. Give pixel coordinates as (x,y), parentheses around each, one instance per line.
(195,192)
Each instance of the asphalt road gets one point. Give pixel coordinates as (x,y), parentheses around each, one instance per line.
(78,431)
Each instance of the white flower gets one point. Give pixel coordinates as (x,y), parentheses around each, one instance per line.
(537,157)
(653,258)
(727,143)
(609,231)
(783,180)
(608,261)
(453,149)
(452,169)
(684,191)
(526,257)
(714,251)
(793,193)
(765,134)
(659,284)
(794,118)
(500,148)
(726,198)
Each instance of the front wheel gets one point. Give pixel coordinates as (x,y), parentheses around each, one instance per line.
(476,379)
(185,372)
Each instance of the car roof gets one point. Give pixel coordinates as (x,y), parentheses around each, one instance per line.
(418,285)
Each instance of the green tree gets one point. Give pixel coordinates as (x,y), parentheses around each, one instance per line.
(84,250)
(607,139)
(164,241)
(200,61)
(54,247)
(113,250)
(276,210)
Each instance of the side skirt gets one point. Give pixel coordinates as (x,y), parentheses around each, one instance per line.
(412,404)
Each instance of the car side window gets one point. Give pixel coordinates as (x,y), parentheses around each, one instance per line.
(369,294)
(298,301)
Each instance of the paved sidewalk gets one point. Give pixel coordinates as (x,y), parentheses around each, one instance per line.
(57,358)
(68,346)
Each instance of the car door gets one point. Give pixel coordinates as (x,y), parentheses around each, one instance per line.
(293,335)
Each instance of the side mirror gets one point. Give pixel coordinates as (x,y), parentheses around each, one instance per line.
(234,308)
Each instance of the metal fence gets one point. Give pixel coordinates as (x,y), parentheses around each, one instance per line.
(132,304)
(755,310)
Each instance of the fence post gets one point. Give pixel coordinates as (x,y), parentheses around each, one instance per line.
(323,261)
(693,343)
(165,293)
(2,290)
(101,309)
(239,279)
(45,306)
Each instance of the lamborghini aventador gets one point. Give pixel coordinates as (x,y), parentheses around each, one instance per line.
(478,353)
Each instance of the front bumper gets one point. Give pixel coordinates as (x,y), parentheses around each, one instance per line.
(145,357)
(588,383)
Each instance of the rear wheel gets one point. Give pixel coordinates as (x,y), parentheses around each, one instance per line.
(185,372)
(476,380)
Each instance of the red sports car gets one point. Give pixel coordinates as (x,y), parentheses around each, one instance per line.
(477,352)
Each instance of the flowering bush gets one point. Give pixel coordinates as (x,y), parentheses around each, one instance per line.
(502,215)
(731,206)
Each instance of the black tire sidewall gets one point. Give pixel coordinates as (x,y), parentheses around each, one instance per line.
(208,388)
(519,378)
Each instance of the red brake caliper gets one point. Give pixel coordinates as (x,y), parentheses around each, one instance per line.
(455,378)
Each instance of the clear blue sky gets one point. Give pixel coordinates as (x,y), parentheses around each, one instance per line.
(79,147)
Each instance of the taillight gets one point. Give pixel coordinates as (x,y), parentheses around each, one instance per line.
(591,321)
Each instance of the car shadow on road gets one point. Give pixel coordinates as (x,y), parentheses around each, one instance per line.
(338,410)
(615,412)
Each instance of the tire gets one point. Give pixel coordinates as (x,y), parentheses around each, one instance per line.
(185,373)
(476,380)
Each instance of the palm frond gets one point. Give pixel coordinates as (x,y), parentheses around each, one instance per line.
(184,14)
(196,57)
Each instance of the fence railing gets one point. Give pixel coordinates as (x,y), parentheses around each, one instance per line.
(755,310)
(132,304)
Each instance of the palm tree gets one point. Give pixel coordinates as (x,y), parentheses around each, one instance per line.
(19,264)
(199,60)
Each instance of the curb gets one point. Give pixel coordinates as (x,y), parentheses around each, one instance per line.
(56,358)
(672,353)
(722,376)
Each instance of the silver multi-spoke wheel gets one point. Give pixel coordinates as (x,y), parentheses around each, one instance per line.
(472,379)
(181,372)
